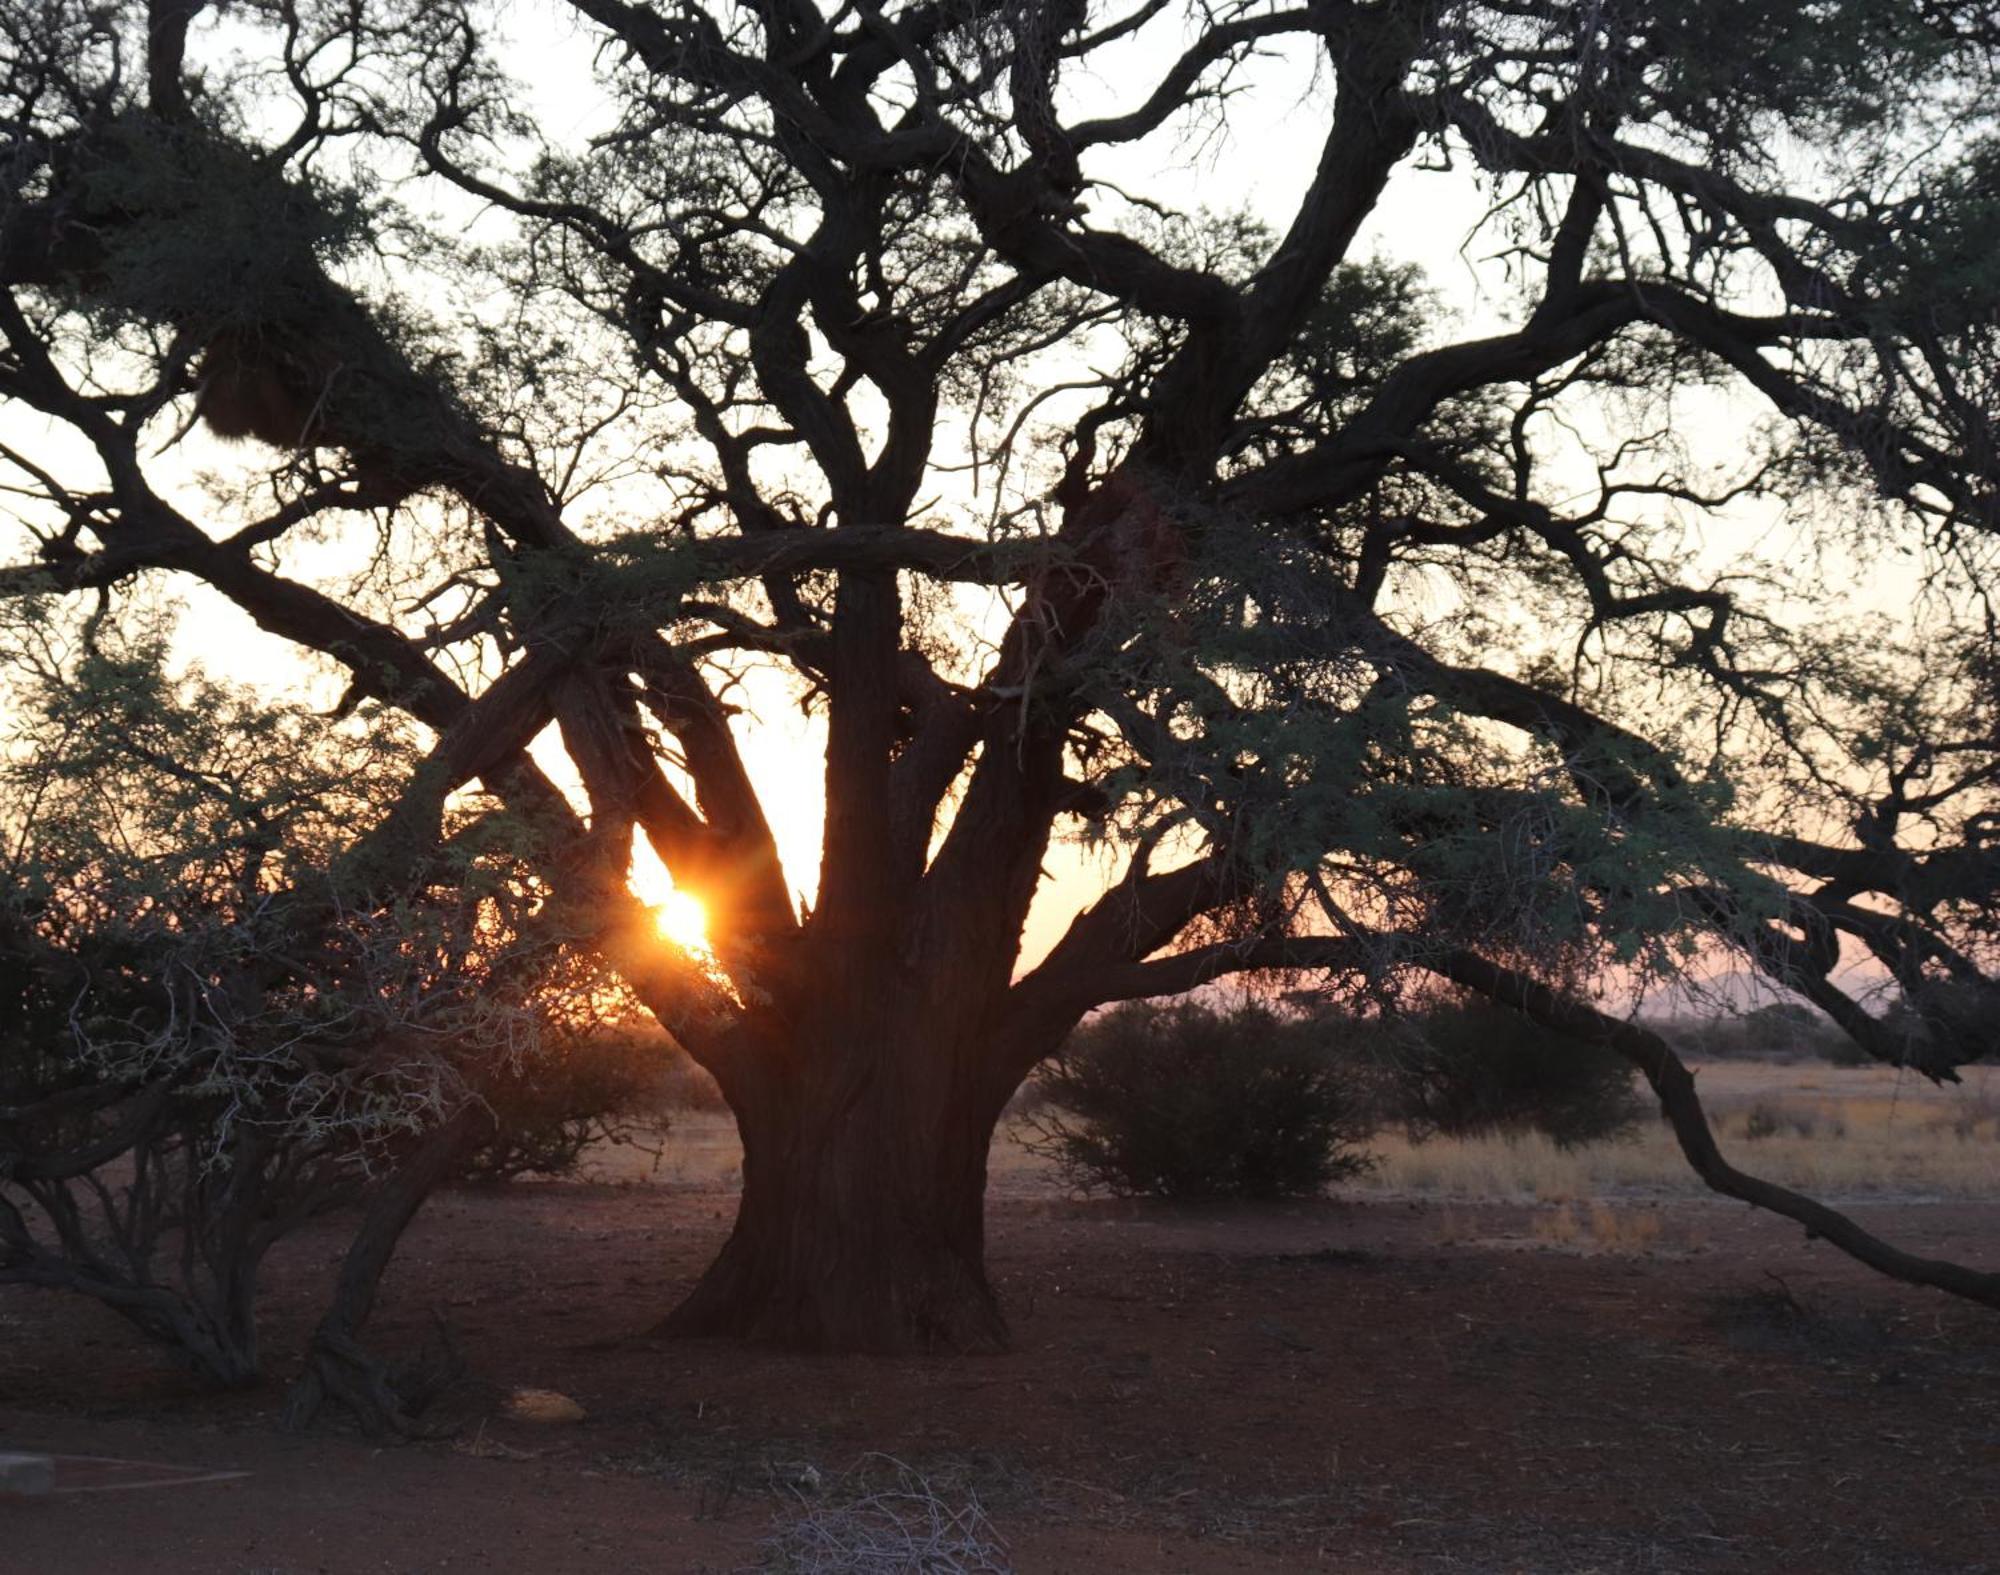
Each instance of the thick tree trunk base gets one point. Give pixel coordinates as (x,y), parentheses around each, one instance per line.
(864,1232)
(915,1299)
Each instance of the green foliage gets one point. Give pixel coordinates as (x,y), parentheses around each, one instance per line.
(203,231)
(125,787)
(1189,1103)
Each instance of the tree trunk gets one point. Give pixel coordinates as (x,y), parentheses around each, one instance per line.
(338,1367)
(862,1222)
(219,1339)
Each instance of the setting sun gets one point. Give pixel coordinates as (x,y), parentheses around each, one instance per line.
(678,915)
(682,920)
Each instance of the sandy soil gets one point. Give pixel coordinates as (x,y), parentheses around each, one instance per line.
(1362,1386)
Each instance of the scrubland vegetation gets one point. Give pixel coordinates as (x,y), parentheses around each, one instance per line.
(1856,1133)
(1841,1135)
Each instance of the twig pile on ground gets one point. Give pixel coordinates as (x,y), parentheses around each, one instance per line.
(882,1518)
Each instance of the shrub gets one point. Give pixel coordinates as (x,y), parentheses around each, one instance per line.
(172,1105)
(1768,1119)
(1461,1068)
(1186,1102)
(605,1086)
(1775,1031)
(1836,1049)
(241,985)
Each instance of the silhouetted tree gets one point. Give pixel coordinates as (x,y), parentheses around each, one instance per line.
(855,343)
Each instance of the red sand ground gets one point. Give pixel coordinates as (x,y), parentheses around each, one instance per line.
(1326,1387)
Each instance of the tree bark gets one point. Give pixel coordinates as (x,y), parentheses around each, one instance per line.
(862,1222)
(338,1367)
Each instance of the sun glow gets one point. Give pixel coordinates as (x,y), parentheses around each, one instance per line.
(683,920)
(678,915)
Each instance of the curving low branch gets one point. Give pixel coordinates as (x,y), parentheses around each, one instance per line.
(1674,1085)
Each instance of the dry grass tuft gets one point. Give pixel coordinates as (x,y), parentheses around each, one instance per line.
(1601,1227)
(1590,1227)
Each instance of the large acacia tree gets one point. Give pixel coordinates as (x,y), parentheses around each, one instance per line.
(858,343)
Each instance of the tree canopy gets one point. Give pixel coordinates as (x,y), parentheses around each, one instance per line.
(1630,617)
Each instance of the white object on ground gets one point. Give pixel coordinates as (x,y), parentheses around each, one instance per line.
(24,1474)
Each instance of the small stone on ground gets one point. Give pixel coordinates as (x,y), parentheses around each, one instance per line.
(543,1405)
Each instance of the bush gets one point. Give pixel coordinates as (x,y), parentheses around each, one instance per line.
(1188,1103)
(241,986)
(1837,1049)
(1776,1031)
(606,1086)
(1769,1120)
(1462,1068)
